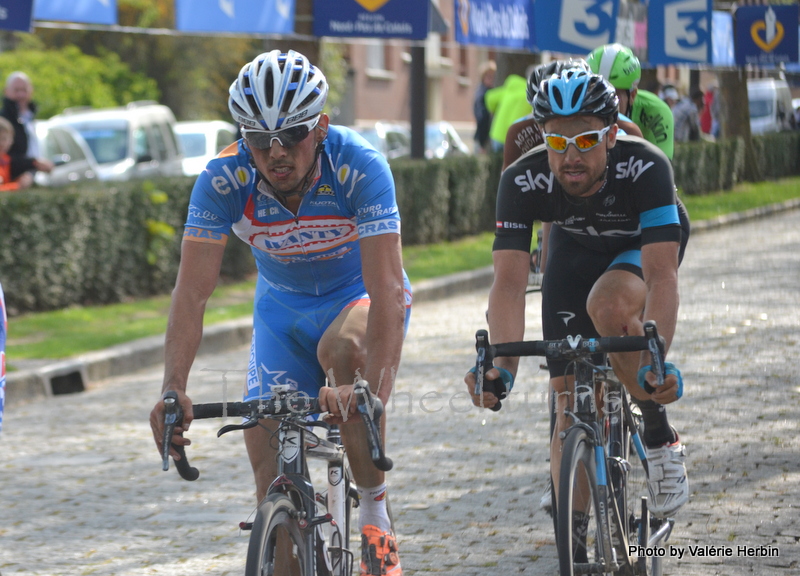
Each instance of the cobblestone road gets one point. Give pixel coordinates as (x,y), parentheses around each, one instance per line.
(81,490)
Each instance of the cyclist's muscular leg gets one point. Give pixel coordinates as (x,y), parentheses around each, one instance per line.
(615,305)
(262,455)
(342,350)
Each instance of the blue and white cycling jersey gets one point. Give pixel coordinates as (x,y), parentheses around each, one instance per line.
(316,251)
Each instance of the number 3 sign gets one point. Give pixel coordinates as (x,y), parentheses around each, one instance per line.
(679,31)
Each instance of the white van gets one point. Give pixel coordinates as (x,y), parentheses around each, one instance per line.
(133,142)
(770,105)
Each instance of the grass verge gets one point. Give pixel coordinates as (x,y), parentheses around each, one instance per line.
(72,331)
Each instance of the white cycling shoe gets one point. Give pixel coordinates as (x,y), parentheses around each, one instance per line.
(667,482)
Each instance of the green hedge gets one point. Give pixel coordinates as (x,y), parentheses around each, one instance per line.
(101,244)
(96,245)
(704,167)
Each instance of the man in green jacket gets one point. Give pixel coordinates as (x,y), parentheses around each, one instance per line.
(507,103)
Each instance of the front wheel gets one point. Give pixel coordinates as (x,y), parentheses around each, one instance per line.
(579,534)
(277,544)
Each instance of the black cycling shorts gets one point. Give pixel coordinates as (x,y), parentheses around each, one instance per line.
(572,270)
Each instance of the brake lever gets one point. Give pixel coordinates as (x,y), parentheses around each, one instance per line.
(173,415)
(483,363)
(655,344)
(252,423)
(371,410)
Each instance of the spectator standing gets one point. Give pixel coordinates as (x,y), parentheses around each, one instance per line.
(19,109)
(507,103)
(483,118)
(687,117)
(7,182)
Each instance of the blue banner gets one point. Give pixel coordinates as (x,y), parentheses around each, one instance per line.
(87,11)
(17,16)
(575,26)
(246,16)
(501,23)
(679,31)
(372,18)
(766,35)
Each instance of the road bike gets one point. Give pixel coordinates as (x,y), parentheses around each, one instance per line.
(295,527)
(601,517)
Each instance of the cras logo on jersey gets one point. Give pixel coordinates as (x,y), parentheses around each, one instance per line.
(239,178)
(325,190)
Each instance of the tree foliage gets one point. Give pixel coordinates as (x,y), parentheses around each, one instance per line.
(67,77)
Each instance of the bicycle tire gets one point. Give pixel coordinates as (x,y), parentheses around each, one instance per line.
(578,476)
(277,518)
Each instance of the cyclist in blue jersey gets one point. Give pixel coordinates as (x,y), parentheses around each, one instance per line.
(317,206)
(618,235)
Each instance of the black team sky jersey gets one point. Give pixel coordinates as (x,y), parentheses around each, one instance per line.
(637,205)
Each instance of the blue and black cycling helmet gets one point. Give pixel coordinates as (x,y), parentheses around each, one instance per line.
(554,68)
(576,91)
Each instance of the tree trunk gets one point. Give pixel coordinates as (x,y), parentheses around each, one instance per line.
(304,25)
(735,117)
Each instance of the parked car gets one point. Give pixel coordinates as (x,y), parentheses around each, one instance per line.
(442,140)
(770,103)
(65,147)
(202,141)
(135,141)
(393,140)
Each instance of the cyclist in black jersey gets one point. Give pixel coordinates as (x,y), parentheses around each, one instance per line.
(617,238)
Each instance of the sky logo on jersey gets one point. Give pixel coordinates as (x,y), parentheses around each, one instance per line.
(233,180)
(634,167)
(527,182)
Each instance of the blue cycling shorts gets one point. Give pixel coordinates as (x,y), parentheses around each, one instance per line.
(287,328)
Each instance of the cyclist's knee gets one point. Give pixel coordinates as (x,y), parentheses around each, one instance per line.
(341,353)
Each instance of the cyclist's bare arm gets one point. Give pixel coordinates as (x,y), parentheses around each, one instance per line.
(197,278)
(660,270)
(382,269)
(506,312)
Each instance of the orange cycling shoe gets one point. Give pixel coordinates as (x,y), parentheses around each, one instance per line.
(379,553)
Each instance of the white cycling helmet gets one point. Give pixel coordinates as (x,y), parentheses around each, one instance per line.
(276,91)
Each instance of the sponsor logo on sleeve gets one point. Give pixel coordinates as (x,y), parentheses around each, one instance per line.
(386,226)
(204,236)
(231,180)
